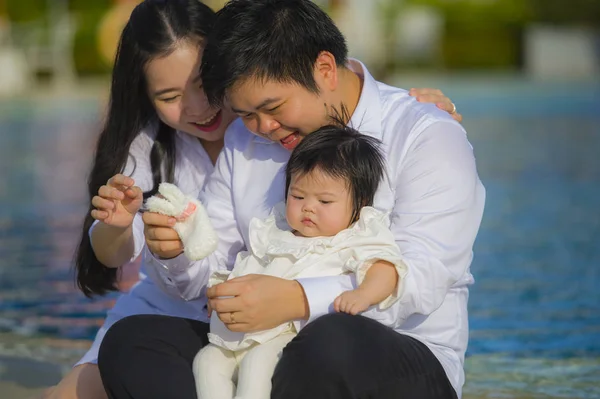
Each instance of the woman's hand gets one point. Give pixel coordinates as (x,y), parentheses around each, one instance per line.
(117,201)
(438,98)
(161,239)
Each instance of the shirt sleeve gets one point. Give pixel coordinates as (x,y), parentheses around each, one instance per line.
(438,209)
(189,279)
(365,250)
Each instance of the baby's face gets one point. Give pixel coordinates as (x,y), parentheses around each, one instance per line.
(318,204)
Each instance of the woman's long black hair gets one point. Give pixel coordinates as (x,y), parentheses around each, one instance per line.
(154,29)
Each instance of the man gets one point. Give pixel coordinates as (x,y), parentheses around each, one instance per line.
(282,66)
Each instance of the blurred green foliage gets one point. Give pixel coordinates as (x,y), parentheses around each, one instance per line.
(481,34)
(88,15)
(25,10)
(477,34)
(561,12)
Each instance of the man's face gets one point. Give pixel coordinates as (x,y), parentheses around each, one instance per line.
(281,112)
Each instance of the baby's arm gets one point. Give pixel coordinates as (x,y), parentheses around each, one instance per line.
(379,283)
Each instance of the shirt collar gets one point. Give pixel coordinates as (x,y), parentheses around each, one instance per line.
(367,115)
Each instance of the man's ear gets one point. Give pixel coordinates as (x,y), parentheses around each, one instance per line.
(326,71)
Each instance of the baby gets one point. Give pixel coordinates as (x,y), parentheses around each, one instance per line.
(326,227)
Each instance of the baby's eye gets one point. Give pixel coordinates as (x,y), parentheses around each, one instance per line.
(326,202)
(297,197)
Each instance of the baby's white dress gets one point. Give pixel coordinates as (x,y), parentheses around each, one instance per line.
(241,365)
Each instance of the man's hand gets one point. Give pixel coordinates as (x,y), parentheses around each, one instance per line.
(161,239)
(258,302)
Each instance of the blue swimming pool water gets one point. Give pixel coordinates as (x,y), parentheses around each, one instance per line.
(535,307)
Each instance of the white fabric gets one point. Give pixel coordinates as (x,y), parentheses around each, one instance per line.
(192,167)
(193,225)
(432,190)
(245,374)
(276,251)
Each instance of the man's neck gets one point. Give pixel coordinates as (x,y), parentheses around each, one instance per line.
(350,89)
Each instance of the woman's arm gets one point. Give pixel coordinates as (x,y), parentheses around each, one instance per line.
(112,245)
(117,235)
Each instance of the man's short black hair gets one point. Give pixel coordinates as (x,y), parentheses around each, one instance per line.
(268,39)
(341,152)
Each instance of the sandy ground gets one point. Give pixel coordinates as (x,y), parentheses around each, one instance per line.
(30,364)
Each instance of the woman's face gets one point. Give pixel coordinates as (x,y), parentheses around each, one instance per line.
(175,90)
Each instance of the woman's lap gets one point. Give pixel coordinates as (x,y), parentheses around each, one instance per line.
(151,356)
(336,356)
(134,305)
(144,299)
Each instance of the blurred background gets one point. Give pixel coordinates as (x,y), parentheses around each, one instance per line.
(524,73)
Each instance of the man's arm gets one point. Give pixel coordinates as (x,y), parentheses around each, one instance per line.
(186,278)
(438,210)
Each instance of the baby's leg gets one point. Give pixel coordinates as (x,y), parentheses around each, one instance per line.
(214,370)
(257,367)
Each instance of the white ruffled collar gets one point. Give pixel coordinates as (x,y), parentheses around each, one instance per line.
(273,236)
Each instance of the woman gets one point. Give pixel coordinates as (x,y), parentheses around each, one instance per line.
(159,127)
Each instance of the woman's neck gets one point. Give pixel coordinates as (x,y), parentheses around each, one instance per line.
(212,148)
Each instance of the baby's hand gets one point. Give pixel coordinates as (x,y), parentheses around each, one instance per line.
(117,201)
(352,302)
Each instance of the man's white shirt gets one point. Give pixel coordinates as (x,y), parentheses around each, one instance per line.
(431,188)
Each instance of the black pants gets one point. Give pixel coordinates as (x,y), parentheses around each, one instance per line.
(337,356)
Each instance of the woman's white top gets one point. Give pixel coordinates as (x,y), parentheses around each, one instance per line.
(431,189)
(274,250)
(193,166)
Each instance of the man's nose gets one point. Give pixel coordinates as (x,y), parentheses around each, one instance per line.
(267,126)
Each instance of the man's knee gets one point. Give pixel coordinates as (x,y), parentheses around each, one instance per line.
(327,344)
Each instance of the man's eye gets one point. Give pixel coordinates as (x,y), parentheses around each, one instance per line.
(274,109)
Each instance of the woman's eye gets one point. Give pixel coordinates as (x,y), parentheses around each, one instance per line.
(170,99)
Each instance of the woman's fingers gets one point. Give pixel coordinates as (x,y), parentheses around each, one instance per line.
(425,91)
(437,97)
(120,180)
(102,203)
(165,249)
(154,233)
(134,192)
(99,215)
(158,220)
(109,192)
